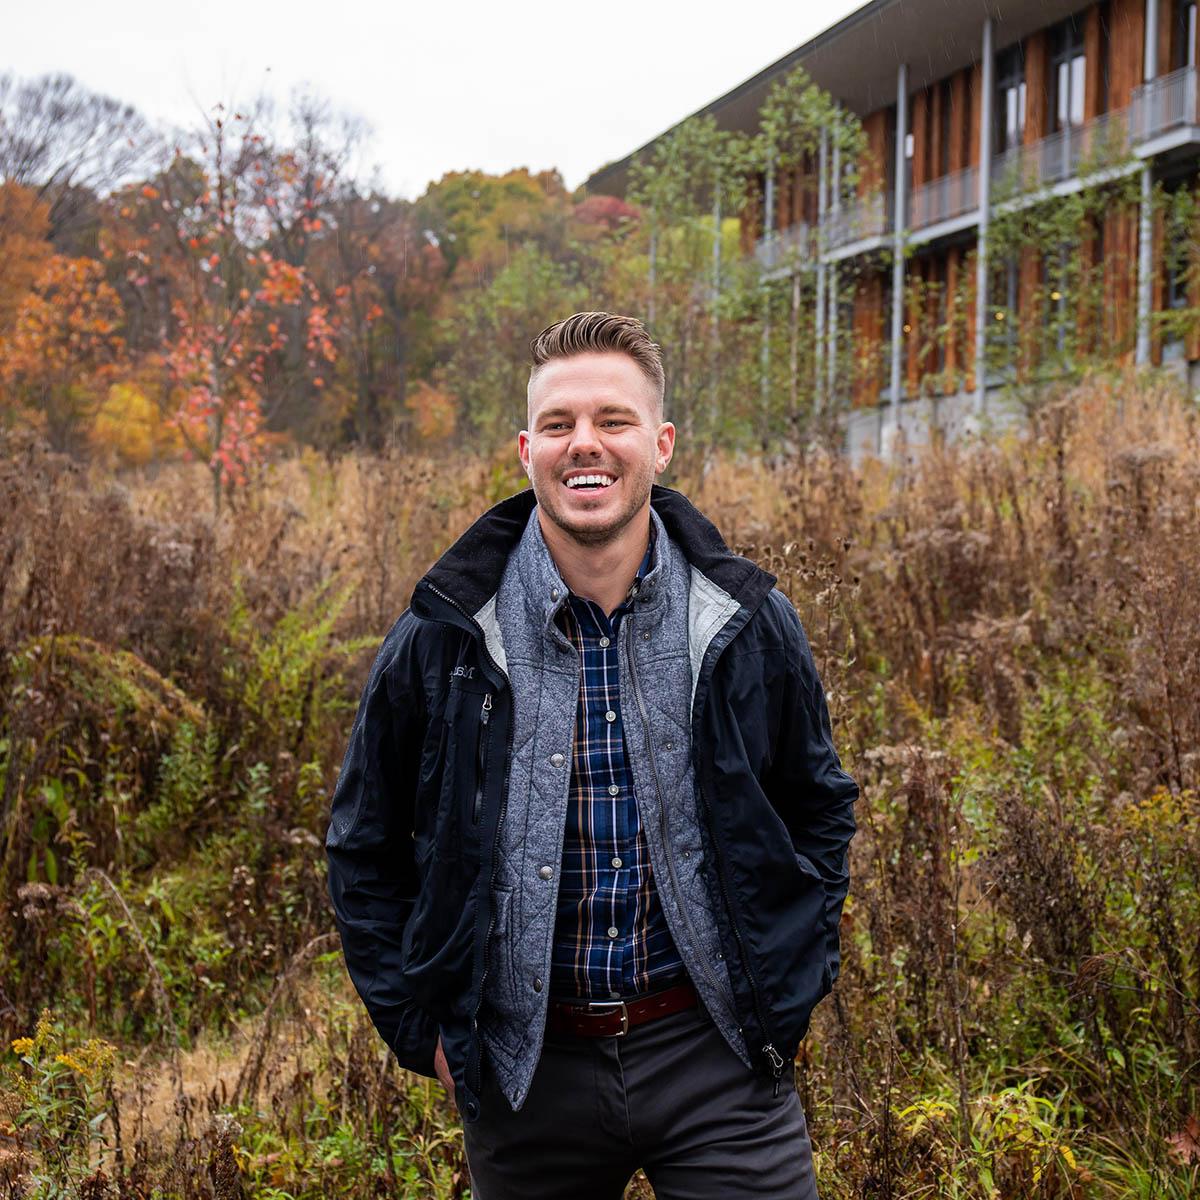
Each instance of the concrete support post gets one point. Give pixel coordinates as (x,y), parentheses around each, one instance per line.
(901,214)
(822,192)
(1145,292)
(1150,45)
(831,363)
(835,208)
(987,55)
(769,201)
(1145,289)
(768,231)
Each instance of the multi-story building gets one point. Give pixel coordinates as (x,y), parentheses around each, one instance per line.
(956,99)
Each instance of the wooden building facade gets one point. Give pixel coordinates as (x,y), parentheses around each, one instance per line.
(1045,93)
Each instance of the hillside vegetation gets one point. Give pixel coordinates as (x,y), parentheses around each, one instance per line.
(1010,638)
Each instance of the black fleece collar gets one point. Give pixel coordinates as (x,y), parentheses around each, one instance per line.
(469,572)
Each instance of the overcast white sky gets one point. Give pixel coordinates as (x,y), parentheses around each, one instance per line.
(444,86)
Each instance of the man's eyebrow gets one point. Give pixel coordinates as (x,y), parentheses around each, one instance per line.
(614,406)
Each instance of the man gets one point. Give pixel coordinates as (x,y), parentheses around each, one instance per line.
(588,848)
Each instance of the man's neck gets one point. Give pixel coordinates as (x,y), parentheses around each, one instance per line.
(605,573)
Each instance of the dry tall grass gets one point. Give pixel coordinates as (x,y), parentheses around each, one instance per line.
(1009,634)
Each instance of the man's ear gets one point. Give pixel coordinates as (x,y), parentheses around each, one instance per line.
(523,449)
(665,445)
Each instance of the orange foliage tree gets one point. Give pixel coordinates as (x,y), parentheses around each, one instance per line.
(24,247)
(64,348)
(192,247)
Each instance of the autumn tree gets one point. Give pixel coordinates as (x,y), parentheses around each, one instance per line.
(225,301)
(24,247)
(390,275)
(300,172)
(63,349)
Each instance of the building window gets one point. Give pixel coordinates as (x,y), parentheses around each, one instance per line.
(1183,36)
(1177,245)
(1068,75)
(1010,99)
(945,131)
(1104,65)
(1062,315)
(1006,296)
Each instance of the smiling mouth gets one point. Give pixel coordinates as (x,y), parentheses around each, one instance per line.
(596,482)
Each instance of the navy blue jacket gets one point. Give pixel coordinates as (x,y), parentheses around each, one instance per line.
(417,807)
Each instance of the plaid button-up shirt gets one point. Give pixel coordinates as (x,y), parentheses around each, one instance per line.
(611,937)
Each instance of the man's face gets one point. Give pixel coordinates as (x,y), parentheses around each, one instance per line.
(594,443)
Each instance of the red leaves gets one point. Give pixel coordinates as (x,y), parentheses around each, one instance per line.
(1184,1146)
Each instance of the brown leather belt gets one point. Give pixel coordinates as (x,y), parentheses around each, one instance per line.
(615,1018)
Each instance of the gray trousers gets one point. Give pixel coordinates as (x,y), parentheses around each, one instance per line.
(670,1097)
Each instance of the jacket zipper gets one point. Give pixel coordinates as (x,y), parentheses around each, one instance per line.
(487,941)
(664,827)
(769,1051)
(485,715)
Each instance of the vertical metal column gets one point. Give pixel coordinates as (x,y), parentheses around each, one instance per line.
(901,211)
(1145,293)
(835,208)
(985,208)
(768,235)
(819,357)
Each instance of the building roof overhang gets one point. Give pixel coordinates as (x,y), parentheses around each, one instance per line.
(856,60)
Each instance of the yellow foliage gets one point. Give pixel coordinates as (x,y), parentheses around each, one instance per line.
(130,427)
(435,413)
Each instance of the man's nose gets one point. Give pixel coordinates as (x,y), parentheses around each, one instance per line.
(584,439)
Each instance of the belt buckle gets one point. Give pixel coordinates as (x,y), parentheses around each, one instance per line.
(612,1005)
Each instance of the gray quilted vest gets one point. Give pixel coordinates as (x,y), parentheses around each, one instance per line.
(676,614)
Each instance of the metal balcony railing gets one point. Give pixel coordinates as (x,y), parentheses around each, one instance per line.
(867,217)
(945,198)
(1163,104)
(785,246)
(1158,107)
(1071,152)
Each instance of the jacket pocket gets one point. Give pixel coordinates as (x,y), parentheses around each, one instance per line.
(467,721)
(482,743)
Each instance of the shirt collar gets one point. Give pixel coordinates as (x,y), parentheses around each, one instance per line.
(579,605)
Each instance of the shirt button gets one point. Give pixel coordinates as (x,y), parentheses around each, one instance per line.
(610,716)
(557,760)
(546,872)
(613,790)
(613,931)
(646,636)
(606,642)
(537,984)
(616,862)
(554,593)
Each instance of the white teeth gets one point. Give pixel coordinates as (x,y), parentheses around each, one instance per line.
(580,480)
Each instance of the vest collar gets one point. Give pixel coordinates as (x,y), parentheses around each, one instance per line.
(542,585)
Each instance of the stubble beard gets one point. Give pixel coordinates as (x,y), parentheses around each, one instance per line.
(591,536)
